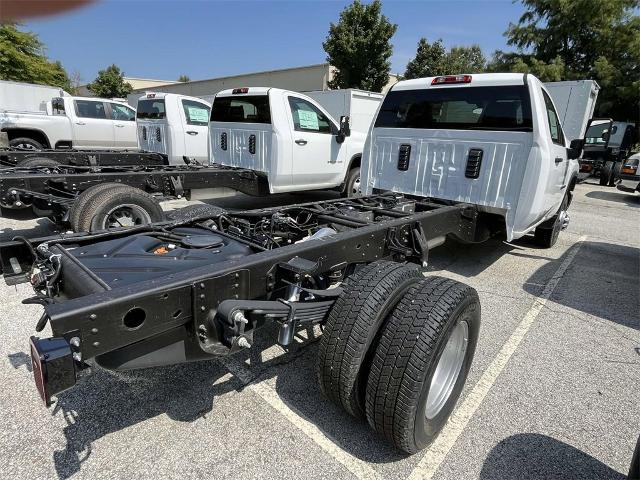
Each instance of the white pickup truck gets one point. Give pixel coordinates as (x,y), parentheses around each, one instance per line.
(174,125)
(491,140)
(33,119)
(292,138)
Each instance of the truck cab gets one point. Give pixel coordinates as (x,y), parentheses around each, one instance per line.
(287,136)
(175,125)
(492,140)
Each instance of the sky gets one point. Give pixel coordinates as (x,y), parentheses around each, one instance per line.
(164,39)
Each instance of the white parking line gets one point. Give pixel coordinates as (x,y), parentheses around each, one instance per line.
(359,468)
(437,452)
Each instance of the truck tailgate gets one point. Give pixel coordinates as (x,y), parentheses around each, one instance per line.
(243,145)
(437,165)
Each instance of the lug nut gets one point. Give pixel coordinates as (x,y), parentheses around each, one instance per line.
(244,343)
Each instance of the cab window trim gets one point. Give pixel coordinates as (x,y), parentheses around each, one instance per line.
(104,108)
(204,106)
(549,103)
(332,127)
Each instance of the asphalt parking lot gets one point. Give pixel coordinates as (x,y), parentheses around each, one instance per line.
(553,391)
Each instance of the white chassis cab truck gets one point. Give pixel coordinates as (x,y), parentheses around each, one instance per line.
(174,125)
(37,117)
(491,140)
(291,138)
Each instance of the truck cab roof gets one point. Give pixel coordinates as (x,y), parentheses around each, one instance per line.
(462,81)
(248,91)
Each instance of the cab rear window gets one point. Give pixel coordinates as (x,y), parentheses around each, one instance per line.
(245,109)
(469,108)
(151,109)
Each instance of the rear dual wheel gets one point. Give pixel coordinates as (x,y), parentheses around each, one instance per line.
(396,349)
(113,205)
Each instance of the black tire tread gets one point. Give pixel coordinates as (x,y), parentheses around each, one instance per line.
(33,162)
(351,328)
(82,199)
(406,345)
(92,206)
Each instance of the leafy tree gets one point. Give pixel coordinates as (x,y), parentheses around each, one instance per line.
(428,61)
(184,78)
(581,39)
(465,60)
(359,47)
(110,84)
(432,59)
(23,59)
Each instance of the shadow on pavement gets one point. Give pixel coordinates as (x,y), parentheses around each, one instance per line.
(603,280)
(614,195)
(529,456)
(105,402)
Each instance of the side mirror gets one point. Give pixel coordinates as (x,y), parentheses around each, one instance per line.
(345,129)
(575,148)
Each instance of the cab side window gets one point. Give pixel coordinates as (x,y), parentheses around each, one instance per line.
(307,118)
(90,109)
(196,113)
(555,129)
(120,112)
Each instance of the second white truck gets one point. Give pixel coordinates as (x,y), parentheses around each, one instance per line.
(37,117)
(292,138)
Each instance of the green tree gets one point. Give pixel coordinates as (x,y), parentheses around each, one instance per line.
(110,84)
(465,60)
(432,59)
(429,60)
(581,39)
(359,47)
(184,78)
(23,59)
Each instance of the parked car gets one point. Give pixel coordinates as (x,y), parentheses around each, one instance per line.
(292,138)
(64,121)
(628,178)
(174,125)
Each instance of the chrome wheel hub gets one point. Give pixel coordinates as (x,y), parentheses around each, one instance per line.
(447,370)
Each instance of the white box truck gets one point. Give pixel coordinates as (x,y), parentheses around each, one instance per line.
(576,102)
(38,117)
(298,141)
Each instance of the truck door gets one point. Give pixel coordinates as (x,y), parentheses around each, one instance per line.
(317,158)
(195,120)
(123,119)
(91,126)
(557,182)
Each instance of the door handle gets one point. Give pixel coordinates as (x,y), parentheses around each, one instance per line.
(80,123)
(192,132)
(119,126)
(559,160)
(301,141)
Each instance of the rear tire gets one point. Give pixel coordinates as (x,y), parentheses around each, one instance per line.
(615,172)
(353,323)
(606,173)
(24,143)
(546,235)
(421,362)
(352,186)
(81,201)
(119,206)
(38,162)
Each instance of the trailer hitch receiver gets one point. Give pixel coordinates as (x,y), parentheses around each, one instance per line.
(54,368)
